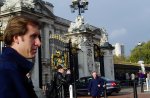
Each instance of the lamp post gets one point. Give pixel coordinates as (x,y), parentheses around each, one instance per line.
(80,5)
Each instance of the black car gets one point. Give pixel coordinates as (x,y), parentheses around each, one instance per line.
(111,85)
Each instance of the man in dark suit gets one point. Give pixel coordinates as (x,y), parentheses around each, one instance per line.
(95,85)
(21,38)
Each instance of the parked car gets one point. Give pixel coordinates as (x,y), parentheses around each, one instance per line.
(111,85)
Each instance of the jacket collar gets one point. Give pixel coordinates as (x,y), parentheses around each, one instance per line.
(22,63)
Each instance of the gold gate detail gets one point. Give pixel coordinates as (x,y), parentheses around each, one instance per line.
(59,58)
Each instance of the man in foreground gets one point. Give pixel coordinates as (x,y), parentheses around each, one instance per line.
(21,38)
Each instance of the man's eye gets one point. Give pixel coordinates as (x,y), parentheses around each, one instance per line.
(34,36)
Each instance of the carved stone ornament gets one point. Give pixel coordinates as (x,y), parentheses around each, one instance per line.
(77,39)
(28,3)
(78,26)
(88,41)
(104,37)
(10,5)
(89,60)
(82,40)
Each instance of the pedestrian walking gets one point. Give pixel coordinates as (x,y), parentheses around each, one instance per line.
(21,38)
(141,77)
(95,85)
(127,79)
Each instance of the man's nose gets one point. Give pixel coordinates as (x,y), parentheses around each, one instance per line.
(38,42)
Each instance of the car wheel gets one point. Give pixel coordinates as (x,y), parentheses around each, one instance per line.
(109,94)
(117,92)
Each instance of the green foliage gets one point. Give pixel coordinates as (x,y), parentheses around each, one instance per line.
(141,52)
(119,59)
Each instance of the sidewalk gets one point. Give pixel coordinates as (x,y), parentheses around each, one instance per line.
(127,93)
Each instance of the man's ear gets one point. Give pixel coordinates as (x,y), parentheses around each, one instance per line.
(16,39)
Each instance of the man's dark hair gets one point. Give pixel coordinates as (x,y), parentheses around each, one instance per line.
(17,26)
(59,67)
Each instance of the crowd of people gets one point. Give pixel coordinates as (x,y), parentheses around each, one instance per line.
(126,78)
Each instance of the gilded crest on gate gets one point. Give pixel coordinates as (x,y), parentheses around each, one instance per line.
(59,58)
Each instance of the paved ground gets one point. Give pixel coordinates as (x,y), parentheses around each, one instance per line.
(124,96)
(126,93)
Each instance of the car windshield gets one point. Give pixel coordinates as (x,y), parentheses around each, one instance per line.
(89,79)
(84,79)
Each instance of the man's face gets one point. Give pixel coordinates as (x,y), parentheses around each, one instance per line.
(94,74)
(61,70)
(28,43)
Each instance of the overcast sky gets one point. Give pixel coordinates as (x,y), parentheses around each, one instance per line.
(126,21)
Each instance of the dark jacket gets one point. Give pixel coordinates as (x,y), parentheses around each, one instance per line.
(60,81)
(13,80)
(93,86)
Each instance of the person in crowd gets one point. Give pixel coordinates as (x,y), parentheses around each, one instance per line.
(95,85)
(60,81)
(69,81)
(148,78)
(21,38)
(141,77)
(127,76)
(132,79)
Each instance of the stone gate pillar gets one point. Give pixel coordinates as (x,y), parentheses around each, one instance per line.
(82,37)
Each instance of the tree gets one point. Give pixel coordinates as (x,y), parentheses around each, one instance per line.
(141,52)
(119,59)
